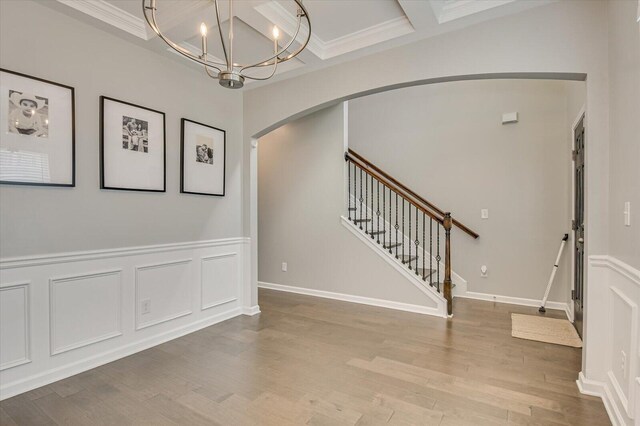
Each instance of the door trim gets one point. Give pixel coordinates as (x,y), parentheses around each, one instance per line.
(581,116)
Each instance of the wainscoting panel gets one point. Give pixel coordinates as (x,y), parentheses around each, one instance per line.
(14,325)
(163,292)
(84,309)
(220,279)
(65,313)
(612,335)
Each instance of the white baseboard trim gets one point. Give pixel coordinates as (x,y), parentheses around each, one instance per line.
(400,306)
(251,310)
(514,300)
(7,390)
(601,390)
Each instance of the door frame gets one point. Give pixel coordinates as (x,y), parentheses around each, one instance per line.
(581,116)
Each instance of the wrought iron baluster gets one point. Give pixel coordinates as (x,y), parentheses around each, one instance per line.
(384,209)
(424,225)
(378,210)
(396,225)
(372,211)
(349,187)
(402,233)
(417,242)
(409,258)
(438,256)
(360,199)
(366,200)
(430,251)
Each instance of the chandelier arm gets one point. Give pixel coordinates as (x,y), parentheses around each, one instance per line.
(224,46)
(275,67)
(152,23)
(284,49)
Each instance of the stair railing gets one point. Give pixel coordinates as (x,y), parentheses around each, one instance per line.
(402,215)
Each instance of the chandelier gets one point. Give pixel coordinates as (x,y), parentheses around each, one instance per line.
(231,74)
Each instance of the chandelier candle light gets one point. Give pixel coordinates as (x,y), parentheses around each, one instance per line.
(231,74)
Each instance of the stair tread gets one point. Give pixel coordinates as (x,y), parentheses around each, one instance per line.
(376,232)
(352,209)
(361,220)
(391,245)
(406,258)
(425,272)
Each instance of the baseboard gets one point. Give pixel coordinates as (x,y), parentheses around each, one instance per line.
(407,307)
(601,390)
(7,390)
(251,310)
(515,301)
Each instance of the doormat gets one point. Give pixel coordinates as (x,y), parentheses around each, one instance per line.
(547,330)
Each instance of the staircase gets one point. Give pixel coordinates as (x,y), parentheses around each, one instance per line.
(403,224)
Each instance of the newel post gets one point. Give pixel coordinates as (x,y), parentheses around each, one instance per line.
(447,223)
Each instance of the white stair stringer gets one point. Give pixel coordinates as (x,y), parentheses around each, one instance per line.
(460,284)
(441,304)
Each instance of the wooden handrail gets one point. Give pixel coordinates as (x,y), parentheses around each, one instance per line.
(427,207)
(404,194)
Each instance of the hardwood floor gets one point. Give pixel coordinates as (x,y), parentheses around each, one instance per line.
(307,360)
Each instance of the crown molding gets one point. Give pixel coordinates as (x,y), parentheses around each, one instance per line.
(111,15)
(449,10)
(360,39)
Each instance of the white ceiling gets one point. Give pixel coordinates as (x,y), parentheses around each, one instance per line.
(341,29)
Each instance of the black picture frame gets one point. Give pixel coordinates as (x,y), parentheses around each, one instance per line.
(183,122)
(102,147)
(72,184)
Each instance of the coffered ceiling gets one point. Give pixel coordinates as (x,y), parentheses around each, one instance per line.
(341,29)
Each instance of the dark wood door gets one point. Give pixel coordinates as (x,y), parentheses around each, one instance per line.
(578,225)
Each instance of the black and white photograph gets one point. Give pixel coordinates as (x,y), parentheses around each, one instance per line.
(132,147)
(135,134)
(37,131)
(202,159)
(204,152)
(28,114)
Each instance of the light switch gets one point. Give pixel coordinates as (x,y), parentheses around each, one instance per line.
(627,213)
(484,214)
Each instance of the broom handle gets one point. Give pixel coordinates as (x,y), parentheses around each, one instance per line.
(553,271)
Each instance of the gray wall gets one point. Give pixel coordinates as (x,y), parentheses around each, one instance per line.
(624,116)
(300,201)
(446,142)
(37,40)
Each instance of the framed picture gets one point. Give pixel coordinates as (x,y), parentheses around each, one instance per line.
(37,131)
(202,159)
(132,147)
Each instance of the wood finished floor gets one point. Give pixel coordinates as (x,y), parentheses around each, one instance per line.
(307,360)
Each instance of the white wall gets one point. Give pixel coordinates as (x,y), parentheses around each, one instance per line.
(574,40)
(48,220)
(301,198)
(63,313)
(446,142)
(624,115)
(612,350)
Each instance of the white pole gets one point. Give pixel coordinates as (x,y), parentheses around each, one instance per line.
(553,273)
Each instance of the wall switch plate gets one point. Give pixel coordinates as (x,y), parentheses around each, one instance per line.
(627,213)
(484,213)
(484,271)
(284,266)
(509,117)
(145,306)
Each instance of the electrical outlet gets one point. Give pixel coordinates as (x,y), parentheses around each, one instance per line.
(145,307)
(484,214)
(284,266)
(484,271)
